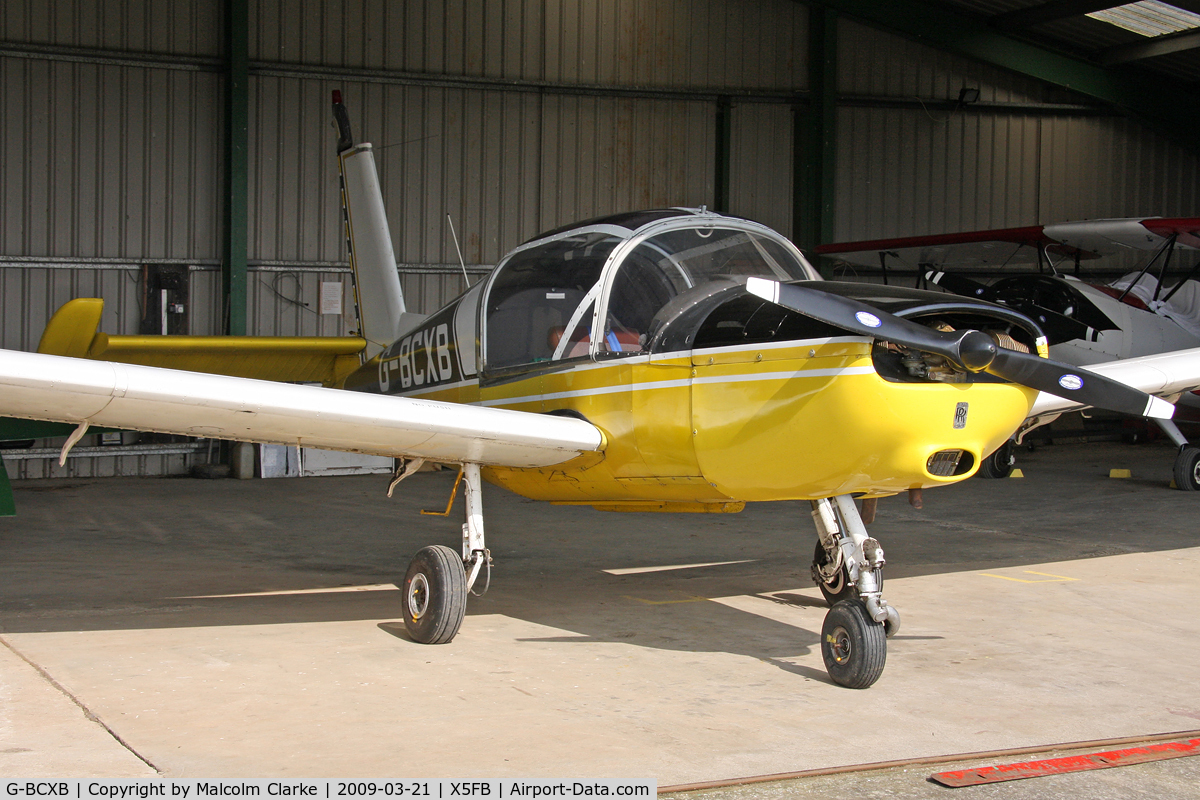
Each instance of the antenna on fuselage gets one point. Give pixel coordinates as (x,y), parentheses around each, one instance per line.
(378,297)
(461,262)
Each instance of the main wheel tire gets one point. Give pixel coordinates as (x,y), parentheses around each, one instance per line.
(1187,469)
(841,588)
(1000,463)
(853,645)
(435,595)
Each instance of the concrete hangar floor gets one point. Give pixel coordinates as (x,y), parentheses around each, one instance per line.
(200,629)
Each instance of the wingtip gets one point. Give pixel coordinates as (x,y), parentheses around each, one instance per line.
(1158,408)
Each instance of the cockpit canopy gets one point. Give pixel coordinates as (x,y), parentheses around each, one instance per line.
(602,289)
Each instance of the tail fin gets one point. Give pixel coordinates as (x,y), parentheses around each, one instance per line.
(379,300)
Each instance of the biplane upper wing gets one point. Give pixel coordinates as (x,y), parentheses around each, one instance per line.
(1108,236)
(968,249)
(60,389)
(1086,240)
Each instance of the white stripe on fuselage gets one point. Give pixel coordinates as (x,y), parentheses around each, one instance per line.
(644,358)
(650,385)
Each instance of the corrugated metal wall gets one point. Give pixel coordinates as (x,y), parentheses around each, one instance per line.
(761,164)
(177,27)
(511,117)
(680,43)
(105,160)
(910,171)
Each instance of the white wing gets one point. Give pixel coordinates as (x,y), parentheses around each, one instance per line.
(42,387)
(1162,375)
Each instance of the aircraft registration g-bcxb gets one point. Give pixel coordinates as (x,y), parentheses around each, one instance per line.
(669,360)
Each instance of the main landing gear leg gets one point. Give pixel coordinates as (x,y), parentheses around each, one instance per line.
(1187,462)
(849,571)
(436,583)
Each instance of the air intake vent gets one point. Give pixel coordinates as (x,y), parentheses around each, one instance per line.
(944,463)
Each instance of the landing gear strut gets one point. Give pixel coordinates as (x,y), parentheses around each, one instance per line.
(848,569)
(438,581)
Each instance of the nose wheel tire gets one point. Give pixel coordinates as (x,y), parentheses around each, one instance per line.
(435,595)
(1187,469)
(837,589)
(853,645)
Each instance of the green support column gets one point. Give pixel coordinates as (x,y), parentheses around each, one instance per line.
(722,156)
(8,506)
(237,142)
(815,136)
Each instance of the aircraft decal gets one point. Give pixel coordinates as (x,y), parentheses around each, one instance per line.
(960,416)
(424,358)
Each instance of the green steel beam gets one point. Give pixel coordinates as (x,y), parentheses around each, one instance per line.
(12,429)
(815,136)
(1157,46)
(237,144)
(1160,101)
(1048,12)
(8,506)
(723,156)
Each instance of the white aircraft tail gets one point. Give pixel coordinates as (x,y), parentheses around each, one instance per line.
(378,298)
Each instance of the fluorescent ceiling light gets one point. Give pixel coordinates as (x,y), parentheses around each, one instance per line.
(1149,18)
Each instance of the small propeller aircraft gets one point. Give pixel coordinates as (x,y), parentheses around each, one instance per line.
(1086,323)
(670,360)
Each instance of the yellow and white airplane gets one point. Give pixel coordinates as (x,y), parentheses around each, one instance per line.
(673,360)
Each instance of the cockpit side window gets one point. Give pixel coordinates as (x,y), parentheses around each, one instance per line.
(683,261)
(537,294)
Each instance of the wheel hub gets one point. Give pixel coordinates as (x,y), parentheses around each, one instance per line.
(835,582)
(839,645)
(418,596)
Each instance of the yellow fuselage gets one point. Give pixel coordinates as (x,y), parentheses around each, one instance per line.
(711,429)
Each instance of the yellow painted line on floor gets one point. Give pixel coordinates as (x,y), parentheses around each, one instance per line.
(373,587)
(1046,577)
(640,570)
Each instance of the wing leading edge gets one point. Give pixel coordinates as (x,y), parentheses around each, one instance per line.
(1161,375)
(59,389)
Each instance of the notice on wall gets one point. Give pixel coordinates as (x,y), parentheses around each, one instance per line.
(331,297)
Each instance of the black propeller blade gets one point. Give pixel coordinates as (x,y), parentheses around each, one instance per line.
(971,350)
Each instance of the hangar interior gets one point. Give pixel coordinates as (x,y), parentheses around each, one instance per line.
(189,145)
(176,158)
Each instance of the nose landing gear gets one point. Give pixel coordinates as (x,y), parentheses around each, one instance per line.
(848,569)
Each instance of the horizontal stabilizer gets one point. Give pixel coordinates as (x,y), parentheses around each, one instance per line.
(74,331)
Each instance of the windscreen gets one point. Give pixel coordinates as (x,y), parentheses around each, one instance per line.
(675,263)
(537,292)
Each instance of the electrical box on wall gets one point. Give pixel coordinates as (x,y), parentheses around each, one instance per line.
(164,299)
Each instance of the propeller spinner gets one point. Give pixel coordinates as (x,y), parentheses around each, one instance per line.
(973,351)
